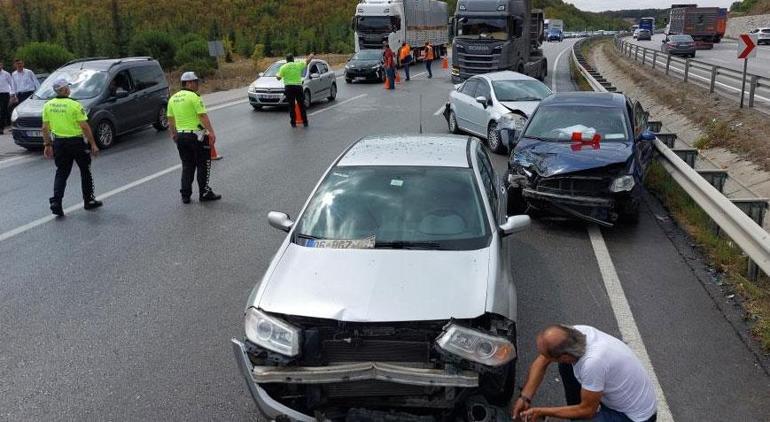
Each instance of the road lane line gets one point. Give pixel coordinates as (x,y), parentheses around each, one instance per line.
(337,104)
(556,67)
(230,104)
(625,318)
(17,160)
(40,221)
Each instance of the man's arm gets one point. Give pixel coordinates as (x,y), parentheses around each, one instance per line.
(209,128)
(89,136)
(589,404)
(309,58)
(47,142)
(172,127)
(35,82)
(534,379)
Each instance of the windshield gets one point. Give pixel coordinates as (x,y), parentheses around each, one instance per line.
(272,71)
(558,123)
(396,207)
(681,38)
(86,83)
(494,28)
(520,90)
(373,24)
(368,55)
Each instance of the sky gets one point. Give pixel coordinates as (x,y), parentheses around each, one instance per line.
(601,5)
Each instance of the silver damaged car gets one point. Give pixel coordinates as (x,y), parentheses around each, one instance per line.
(392,293)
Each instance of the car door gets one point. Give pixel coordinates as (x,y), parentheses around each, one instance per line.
(122,102)
(481,112)
(328,78)
(315,84)
(644,149)
(148,98)
(464,104)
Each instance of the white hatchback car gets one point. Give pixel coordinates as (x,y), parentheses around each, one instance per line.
(485,103)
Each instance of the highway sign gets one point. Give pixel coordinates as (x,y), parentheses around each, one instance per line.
(747,46)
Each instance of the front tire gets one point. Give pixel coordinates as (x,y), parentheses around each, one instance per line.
(104,134)
(332,93)
(493,139)
(161,124)
(452,124)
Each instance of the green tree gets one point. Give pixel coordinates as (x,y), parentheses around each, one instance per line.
(157,44)
(43,56)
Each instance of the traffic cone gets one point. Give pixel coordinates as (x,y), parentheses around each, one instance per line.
(297,114)
(214,154)
(398,77)
(445,63)
(387,82)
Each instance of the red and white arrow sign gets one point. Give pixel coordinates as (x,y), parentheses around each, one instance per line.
(747,46)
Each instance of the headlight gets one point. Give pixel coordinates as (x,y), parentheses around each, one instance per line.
(347,66)
(476,346)
(623,184)
(512,121)
(271,333)
(14,115)
(376,66)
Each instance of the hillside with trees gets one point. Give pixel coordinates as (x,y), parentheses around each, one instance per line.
(750,7)
(576,19)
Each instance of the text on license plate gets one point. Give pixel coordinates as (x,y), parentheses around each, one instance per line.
(270,97)
(34,133)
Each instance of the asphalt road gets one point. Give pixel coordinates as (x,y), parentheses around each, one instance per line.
(125,313)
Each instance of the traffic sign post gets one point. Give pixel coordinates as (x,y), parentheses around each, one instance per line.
(747,47)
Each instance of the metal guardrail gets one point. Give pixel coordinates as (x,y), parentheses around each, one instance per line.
(716,78)
(746,233)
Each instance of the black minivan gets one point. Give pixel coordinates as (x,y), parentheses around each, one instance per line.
(119,95)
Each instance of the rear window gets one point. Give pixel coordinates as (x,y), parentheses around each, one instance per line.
(147,76)
(681,38)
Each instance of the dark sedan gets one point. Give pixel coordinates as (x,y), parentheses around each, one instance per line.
(582,155)
(366,65)
(644,35)
(679,45)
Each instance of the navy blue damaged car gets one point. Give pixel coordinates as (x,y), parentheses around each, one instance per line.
(583,155)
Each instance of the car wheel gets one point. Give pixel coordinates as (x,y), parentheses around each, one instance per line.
(452,123)
(347,80)
(161,123)
(105,134)
(257,107)
(493,139)
(332,93)
(308,100)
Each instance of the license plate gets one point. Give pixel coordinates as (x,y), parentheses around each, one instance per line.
(269,97)
(35,134)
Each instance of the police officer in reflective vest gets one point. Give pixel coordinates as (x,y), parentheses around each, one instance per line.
(291,74)
(192,131)
(65,125)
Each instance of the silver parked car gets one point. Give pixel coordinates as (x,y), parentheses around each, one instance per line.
(392,291)
(485,103)
(319,82)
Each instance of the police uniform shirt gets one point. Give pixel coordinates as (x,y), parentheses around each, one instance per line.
(185,107)
(291,73)
(64,116)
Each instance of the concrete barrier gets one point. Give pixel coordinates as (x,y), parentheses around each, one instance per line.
(744,24)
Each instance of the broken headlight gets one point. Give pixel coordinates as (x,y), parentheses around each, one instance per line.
(623,184)
(476,346)
(512,121)
(271,333)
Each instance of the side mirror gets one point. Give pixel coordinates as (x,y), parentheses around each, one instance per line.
(648,136)
(280,220)
(314,76)
(483,101)
(515,224)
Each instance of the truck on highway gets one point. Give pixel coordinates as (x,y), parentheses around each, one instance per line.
(396,21)
(647,23)
(701,23)
(555,24)
(496,35)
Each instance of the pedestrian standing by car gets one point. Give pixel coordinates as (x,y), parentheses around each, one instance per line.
(389,64)
(7,92)
(429,56)
(405,56)
(292,74)
(603,379)
(193,134)
(25,80)
(65,133)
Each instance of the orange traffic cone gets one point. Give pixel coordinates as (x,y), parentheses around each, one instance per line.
(387,82)
(297,114)
(398,77)
(445,63)
(214,154)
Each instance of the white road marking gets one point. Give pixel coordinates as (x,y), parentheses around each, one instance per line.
(17,160)
(225,105)
(337,104)
(40,221)
(625,317)
(556,68)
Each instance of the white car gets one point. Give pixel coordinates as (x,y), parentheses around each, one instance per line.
(319,82)
(636,33)
(763,35)
(485,103)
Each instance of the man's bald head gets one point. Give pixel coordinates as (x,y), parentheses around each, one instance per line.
(561,343)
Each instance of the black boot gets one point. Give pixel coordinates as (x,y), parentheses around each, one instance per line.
(210,196)
(56,207)
(92,204)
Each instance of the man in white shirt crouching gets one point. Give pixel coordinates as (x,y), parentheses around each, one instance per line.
(603,380)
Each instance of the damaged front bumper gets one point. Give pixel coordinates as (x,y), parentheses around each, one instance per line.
(595,209)
(396,373)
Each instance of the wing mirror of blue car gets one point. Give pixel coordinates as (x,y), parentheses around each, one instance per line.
(515,224)
(483,101)
(280,220)
(648,136)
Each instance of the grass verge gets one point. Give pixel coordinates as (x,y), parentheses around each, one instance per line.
(725,256)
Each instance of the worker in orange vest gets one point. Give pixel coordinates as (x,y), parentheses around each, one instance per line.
(405,56)
(429,56)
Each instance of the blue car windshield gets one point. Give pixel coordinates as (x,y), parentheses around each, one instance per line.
(558,123)
(395,207)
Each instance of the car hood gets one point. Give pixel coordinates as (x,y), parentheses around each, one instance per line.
(33,107)
(364,63)
(526,107)
(268,82)
(375,285)
(554,158)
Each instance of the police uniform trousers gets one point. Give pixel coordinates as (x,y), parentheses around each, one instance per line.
(196,158)
(65,152)
(296,95)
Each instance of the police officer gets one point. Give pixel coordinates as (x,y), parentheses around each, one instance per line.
(291,75)
(65,124)
(192,131)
